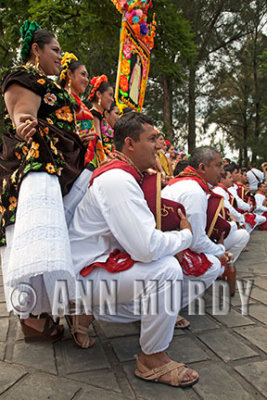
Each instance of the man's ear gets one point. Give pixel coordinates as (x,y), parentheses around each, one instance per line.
(128,143)
(202,168)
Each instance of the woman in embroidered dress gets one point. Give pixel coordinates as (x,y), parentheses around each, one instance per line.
(41,158)
(101,97)
(74,78)
(107,126)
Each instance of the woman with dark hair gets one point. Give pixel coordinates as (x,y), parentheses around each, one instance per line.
(74,78)
(107,126)
(101,97)
(41,158)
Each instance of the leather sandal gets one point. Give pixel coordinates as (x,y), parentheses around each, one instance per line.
(176,369)
(178,325)
(51,332)
(75,327)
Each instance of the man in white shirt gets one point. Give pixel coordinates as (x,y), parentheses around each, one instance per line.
(255,176)
(242,205)
(205,167)
(260,198)
(236,239)
(114,215)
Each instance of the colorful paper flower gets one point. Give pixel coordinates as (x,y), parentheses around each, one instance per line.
(125,67)
(126,51)
(124,83)
(143,29)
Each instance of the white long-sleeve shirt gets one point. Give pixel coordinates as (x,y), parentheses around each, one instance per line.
(252,176)
(114,215)
(240,203)
(195,201)
(260,208)
(238,216)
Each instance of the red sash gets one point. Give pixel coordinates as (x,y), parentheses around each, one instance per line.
(216,223)
(250,219)
(189,173)
(192,264)
(240,190)
(265,200)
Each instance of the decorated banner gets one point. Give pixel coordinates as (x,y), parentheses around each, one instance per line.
(136,43)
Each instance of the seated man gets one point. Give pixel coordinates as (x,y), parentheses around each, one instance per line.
(191,188)
(113,230)
(237,239)
(252,219)
(261,203)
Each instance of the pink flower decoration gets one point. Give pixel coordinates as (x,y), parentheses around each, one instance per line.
(144,70)
(126,51)
(139,13)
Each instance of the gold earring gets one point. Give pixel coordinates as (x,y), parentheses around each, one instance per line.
(69,86)
(99,102)
(37,65)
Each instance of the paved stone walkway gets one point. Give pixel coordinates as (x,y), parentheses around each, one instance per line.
(229,352)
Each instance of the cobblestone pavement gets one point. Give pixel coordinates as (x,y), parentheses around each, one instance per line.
(229,352)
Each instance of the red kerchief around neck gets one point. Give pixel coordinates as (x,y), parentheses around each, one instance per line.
(121,161)
(190,173)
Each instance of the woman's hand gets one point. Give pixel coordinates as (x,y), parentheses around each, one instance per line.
(25,129)
(86,137)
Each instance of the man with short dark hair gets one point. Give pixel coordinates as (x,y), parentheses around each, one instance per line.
(252,219)
(113,230)
(237,239)
(261,203)
(225,183)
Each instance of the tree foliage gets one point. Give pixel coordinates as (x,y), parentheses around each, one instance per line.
(199,66)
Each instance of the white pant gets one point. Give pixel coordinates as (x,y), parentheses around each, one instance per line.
(236,241)
(260,219)
(207,278)
(156,328)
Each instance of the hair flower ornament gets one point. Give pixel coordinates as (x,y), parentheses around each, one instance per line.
(65,62)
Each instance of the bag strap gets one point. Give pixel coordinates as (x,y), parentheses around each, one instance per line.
(258,179)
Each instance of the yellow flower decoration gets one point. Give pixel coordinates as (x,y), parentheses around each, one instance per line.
(65,62)
(50,168)
(35,145)
(50,99)
(25,150)
(41,81)
(13,203)
(53,148)
(49,120)
(125,67)
(13,177)
(32,154)
(2,210)
(64,113)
